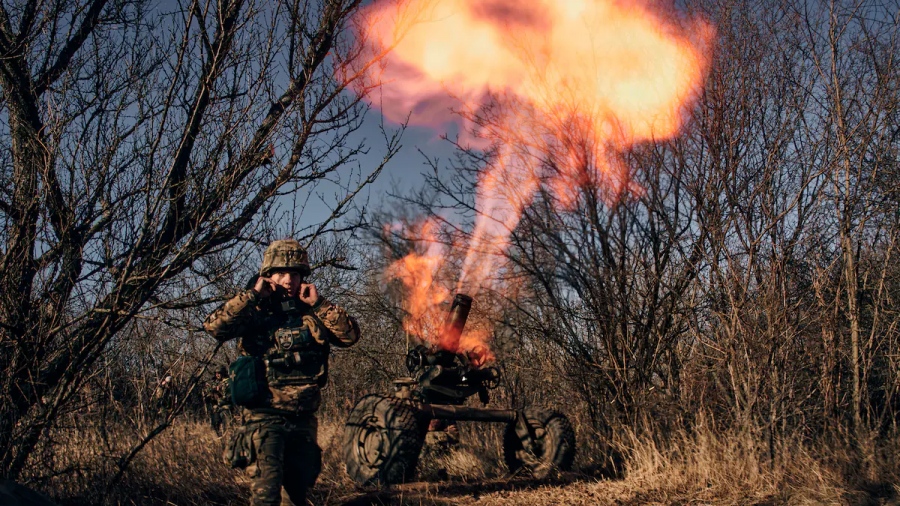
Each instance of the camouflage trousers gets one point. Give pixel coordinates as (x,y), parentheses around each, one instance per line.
(218,417)
(286,456)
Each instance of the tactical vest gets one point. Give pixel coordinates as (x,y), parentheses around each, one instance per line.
(299,355)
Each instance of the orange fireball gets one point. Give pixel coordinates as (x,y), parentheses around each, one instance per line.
(419,272)
(558,90)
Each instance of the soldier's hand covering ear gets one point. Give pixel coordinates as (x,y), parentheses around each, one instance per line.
(309,294)
(264,287)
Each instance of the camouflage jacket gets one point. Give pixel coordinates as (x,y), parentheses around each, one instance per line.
(253,320)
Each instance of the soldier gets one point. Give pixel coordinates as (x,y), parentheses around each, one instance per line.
(286,330)
(217,399)
(164,395)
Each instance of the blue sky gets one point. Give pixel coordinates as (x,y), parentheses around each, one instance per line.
(402,174)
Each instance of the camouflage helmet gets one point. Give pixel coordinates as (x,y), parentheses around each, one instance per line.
(285,255)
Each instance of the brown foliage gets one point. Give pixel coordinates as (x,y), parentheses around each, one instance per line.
(144,147)
(728,334)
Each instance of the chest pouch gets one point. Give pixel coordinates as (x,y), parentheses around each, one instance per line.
(297,357)
(248,381)
(293,338)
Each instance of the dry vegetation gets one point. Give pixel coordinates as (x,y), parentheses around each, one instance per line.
(183,466)
(730,334)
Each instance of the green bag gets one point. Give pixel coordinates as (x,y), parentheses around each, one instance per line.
(248,381)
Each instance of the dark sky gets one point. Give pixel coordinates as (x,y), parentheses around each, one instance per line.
(402,174)
(404,171)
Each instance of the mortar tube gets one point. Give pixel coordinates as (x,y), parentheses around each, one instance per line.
(456,321)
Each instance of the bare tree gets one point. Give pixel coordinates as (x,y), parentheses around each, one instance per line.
(793,138)
(143,147)
(854,55)
(752,276)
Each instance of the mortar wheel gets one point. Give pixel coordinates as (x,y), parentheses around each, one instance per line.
(553,447)
(382,440)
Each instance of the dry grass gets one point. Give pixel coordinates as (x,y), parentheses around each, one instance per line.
(733,468)
(183,467)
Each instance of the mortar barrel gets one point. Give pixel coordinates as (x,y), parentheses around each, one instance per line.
(456,321)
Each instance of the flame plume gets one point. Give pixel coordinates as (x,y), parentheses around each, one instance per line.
(556,89)
(427,296)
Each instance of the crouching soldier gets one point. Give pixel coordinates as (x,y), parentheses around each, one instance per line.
(285,329)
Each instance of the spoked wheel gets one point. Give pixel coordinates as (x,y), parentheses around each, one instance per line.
(382,441)
(546,447)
